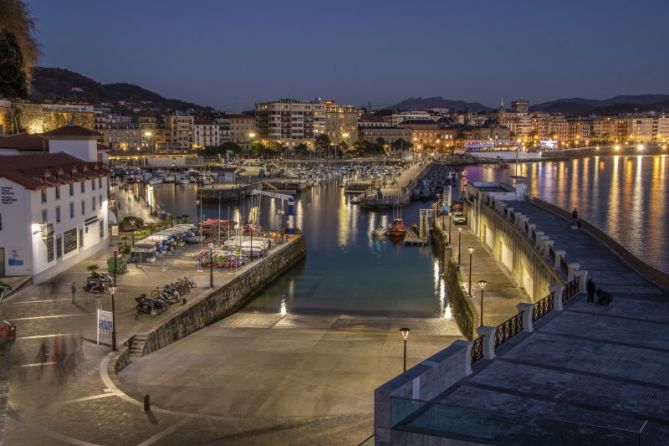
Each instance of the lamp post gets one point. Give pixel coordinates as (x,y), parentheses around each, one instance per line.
(469,287)
(405,335)
(112,291)
(459,244)
(450,219)
(211,265)
(482,284)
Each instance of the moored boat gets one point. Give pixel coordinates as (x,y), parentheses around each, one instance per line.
(397,229)
(380,232)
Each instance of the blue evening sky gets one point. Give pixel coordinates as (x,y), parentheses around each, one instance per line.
(230,54)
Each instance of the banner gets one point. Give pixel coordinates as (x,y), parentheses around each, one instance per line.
(105,323)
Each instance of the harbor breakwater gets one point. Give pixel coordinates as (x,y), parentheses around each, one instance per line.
(218,303)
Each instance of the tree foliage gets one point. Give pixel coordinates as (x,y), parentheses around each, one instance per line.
(15,19)
(13,80)
(222,149)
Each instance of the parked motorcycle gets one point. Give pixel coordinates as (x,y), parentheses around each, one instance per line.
(93,286)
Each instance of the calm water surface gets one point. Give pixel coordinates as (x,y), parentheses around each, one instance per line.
(346,271)
(627,196)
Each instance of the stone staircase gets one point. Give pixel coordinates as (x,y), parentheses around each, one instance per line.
(137,345)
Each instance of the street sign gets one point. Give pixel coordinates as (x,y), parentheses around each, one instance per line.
(105,323)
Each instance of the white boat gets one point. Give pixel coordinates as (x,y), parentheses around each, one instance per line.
(207,180)
(380,232)
(182,179)
(169,179)
(155,180)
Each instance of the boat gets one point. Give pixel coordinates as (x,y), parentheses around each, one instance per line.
(379,232)
(397,229)
(195,239)
(169,179)
(182,179)
(155,180)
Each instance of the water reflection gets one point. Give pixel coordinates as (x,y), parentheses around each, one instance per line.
(624,195)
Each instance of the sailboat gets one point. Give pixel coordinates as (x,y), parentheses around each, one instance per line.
(397,229)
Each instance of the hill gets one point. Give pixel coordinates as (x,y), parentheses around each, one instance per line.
(58,84)
(438,102)
(616,104)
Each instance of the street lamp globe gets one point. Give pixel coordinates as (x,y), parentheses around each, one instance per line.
(460,230)
(210,245)
(471,250)
(450,214)
(482,284)
(405,332)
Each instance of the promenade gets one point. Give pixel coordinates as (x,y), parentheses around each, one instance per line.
(589,374)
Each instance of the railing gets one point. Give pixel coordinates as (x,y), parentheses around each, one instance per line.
(571,289)
(477,349)
(551,254)
(508,329)
(563,266)
(543,307)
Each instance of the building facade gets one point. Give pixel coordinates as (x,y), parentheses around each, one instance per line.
(243,130)
(206,133)
(290,122)
(178,132)
(341,122)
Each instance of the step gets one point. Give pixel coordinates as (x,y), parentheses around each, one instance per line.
(137,346)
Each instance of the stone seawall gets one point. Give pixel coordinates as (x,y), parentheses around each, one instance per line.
(223,301)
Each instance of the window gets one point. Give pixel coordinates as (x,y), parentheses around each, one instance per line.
(71,210)
(83,186)
(100,182)
(93,206)
(57,214)
(45,216)
(71,189)
(57,192)
(0,222)
(93,184)
(100,200)
(83,207)
(102,229)
(43,195)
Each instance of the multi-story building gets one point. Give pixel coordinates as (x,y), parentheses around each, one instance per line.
(580,130)
(341,122)
(290,122)
(520,106)
(53,211)
(662,129)
(430,135)
(178,132)
(243,130)
(604,128)
(148,130)
(413,115)
(639,129)
(123,136)
(206,133)
(389,134)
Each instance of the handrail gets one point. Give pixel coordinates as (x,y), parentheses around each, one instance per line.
(571,289)
(477,349)
(543,307)
(508,329)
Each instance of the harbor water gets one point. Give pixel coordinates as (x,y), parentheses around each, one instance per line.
(627,196)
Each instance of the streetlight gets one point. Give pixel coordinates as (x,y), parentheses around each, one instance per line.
(482,284)
(405,334)
(459,244)
(450,218)
(112,290)
(469,287)
(211,265)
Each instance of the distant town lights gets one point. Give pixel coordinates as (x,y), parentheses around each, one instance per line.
(640,147)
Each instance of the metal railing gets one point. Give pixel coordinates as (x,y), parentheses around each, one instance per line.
(508,329)
(543,307)
(477,349)
(571,289)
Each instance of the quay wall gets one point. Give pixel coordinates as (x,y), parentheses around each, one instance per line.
(528,266)
(647,271)
(223,301)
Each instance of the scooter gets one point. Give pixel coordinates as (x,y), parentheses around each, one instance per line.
(93,286)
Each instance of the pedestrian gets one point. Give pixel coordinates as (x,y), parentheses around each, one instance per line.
(74,290)
(590,288)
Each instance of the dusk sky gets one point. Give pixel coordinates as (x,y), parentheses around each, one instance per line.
(231,54)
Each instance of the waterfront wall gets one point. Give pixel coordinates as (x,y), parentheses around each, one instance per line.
(526,263)
(649,272)
(225,300)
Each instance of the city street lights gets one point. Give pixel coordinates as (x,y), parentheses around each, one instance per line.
(482,284)
(405,334)
(211,265)
(459,244)
(112,290)
(469,287)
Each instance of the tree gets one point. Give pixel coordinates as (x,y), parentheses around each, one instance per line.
(13,80)
(301,149)
(401,144)
(257,148)
(322,142)
(14,19)
(223,149)
(380,142)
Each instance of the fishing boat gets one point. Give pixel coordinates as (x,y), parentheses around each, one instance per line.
(397,229)
(379,232)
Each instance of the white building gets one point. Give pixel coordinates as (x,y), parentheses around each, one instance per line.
(414,115)
(53,206)
(289,121)
(206,134)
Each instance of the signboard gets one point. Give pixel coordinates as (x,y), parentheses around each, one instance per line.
(7,195)
(114,230)
(105,323)
(70,240)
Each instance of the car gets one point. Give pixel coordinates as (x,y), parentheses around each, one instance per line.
(459,218)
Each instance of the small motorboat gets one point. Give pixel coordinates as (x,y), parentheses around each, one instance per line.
(397,229)
(155,180)
(379,232)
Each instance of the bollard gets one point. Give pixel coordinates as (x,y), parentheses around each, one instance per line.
(147,403)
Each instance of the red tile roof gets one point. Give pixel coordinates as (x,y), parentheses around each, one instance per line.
(36,172)
(72,130)
(25,142)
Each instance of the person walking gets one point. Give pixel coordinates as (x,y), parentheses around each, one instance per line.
(590,288)
(74,290)
(574,216)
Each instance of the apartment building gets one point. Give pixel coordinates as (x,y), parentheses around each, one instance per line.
(206,133)
(178,132)
(290,121)
(243,130)
(341,122)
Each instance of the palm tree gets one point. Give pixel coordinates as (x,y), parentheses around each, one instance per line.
(93,268)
